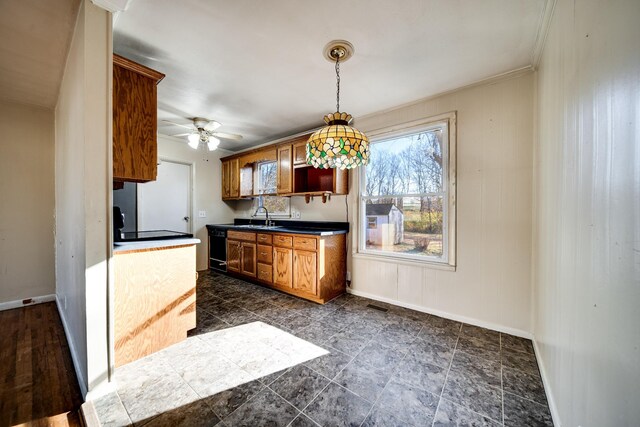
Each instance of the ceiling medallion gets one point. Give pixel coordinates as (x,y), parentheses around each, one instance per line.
(338,145)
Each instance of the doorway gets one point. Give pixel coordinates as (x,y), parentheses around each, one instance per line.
(166,203)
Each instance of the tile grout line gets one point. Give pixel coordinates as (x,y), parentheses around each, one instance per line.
(390,378)
(355,315)
(447,375)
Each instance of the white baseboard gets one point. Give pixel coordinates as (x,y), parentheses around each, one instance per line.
(547,387)
(26,302)
(463,319)
(74,355)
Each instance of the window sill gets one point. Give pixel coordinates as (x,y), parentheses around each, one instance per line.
(404,261)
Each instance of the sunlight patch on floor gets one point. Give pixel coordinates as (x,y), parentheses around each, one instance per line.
(200,367)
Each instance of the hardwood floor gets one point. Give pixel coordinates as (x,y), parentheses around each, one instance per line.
(38,384)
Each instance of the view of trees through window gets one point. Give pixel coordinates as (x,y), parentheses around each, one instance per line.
(267,178)
(404,195)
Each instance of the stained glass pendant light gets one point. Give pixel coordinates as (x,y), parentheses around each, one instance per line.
(338,145)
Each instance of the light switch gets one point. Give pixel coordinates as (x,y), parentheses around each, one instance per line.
(202,214)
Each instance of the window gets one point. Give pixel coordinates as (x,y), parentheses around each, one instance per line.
(267,178)
(406,193)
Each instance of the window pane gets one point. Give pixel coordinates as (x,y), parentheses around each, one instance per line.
(267,178)
(410,164)
(406,225)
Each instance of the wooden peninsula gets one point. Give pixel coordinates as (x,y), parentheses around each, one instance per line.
(155,296)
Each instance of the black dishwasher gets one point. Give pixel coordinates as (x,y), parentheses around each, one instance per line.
(217,247)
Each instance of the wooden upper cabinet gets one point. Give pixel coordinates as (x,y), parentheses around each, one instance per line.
(226,183)
(135,121)
(285,170)
(300,152)
(234,177)
(230,179)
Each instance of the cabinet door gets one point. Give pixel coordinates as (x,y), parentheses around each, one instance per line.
(282,266)
(285,170)
(233,255)
(248,259)
(226,183)
(304,271)
(135,117)
(300,153)
(234,178)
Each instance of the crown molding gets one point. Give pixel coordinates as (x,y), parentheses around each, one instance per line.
(482,82)
(113,6)
(543,30)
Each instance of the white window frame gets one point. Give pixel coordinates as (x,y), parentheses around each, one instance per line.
(258,177)
(447,122)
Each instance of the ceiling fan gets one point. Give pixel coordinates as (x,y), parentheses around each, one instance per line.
(204,131)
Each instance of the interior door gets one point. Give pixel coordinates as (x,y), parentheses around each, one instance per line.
(165,204)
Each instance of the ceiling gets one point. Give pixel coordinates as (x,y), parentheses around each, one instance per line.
(258,68)
(34,40)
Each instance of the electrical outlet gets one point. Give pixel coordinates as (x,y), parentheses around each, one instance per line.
(297,214)
(202,214)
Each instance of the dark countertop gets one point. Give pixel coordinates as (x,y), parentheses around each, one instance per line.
(318,228)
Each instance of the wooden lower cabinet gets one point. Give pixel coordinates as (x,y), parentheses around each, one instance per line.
(241,253)
(308,266)
(282,267)
(233,255)
(248,257)
(305,271)
(265,273)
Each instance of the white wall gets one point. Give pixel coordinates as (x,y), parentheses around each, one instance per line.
(491,285)
(27,202)
(587,213)
(82,188)
(208,189)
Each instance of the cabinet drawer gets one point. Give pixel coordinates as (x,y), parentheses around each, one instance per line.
(264,238)
(265,272)
(241,235)
(308,243)
(284,241)
(264,254)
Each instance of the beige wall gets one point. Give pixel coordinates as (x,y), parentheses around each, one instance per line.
(491,285)
(27,202)
(587,213)
(207,189)
(82,188)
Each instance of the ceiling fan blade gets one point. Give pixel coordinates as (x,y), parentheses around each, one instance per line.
(212,125)
(178,124)
(224,135)
(181,134)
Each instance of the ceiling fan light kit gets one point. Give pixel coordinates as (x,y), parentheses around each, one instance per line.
(204,131)
(338,145)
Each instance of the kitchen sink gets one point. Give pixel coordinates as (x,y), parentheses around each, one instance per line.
(257,226)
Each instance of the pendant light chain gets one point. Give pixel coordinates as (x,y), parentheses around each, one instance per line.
(337,82)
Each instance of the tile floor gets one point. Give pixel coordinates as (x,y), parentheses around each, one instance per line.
(262,358)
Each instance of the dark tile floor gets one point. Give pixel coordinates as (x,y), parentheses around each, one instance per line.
(339,364)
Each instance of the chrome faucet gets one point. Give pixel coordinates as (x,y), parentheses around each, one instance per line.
(268,222)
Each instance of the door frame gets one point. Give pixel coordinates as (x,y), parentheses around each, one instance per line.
(191,193)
